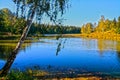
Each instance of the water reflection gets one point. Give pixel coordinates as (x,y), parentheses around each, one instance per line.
(7,48)
(61,45)
(76,54)
(4,51)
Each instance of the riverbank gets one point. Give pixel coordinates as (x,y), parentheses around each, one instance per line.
(16,41)
(78,58)
(95,35)
(106,36)
(9,37)
(42,75)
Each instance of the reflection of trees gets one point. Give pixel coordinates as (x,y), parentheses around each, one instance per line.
(106,45)
(5,50)
(118,46)
(118,55)
(109,45)
(61,45)
(101,46)
(118,50)
(9,62)
(85,42)
(89,43)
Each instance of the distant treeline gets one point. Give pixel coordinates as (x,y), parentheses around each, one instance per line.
(10,25)
(104,26)
(53,29)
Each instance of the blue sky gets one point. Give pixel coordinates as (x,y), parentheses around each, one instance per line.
(83,11)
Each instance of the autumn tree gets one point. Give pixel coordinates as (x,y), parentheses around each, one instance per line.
(83,29)
(100,26)
(104,25)
(118,25)
(107,24)
(87,28)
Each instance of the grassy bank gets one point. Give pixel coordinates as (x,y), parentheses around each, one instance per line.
(9,37)
(95,35)
(16,41)
(106,36)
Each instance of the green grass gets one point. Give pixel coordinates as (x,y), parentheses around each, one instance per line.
(27,75)
(6,37)
(17,75)
(16,41)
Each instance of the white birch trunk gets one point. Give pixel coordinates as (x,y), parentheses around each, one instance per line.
(6,67)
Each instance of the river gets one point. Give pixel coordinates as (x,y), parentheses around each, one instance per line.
(77,55)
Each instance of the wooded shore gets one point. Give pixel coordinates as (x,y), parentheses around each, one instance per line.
(105,36)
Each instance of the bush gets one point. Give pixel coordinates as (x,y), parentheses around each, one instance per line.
(18,75)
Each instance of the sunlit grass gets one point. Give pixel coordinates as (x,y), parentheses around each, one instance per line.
(105,35)
(14,44)
(6,37)
(16,41)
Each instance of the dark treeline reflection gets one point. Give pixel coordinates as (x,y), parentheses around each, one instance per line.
(5,51)
(9,60)
(7,48)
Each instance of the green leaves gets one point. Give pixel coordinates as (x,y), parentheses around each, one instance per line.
(9,23)
(49,8)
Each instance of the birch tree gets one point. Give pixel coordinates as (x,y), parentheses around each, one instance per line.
(32,10)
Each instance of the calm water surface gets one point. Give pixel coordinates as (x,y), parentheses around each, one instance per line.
(67,54)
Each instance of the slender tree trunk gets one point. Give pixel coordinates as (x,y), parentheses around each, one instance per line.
(6,67)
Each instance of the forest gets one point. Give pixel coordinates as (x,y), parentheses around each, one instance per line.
(103,25)
(10,25)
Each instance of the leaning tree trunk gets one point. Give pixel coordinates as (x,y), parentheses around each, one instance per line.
(10,60)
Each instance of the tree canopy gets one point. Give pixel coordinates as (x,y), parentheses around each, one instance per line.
(10,25)
(30,10)
(104,25)
(49,8)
